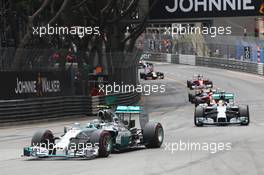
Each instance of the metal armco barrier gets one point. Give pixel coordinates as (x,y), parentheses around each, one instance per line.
(260,69)
(235,65)
(163,57)
(229,64)
(56,107)
(160,57)
(175,59)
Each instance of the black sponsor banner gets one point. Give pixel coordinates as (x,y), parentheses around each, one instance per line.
(175,9)
(28,84)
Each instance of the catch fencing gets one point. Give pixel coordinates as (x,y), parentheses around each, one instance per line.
(228,47)
(24,98)
(222,63)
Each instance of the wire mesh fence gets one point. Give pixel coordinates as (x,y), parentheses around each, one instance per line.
(30,58)
(220,46)
(118,67)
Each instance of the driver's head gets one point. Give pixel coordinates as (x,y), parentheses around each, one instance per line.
(221,103)
(222,96)
(107,116)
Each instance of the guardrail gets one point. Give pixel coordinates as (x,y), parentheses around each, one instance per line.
(229,64)
(235,65)
(57,107)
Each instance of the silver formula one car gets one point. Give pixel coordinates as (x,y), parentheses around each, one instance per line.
(111,131)
(222,112)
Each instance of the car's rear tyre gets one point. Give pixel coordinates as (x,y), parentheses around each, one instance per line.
(45,139)
(188,84)
(198,113)
(103,140)
(211,83)
(161,76)
(198,101)
(244,112)
(191,97)
(153,135)
(142,75)
(191,85)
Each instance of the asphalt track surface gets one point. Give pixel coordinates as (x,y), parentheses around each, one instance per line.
(176,114)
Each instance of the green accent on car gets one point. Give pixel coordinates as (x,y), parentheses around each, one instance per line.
(128,109)
(228,96)
(27,151)
(28,148)
(124,140)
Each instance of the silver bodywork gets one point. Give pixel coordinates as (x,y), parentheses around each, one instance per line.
(225,114)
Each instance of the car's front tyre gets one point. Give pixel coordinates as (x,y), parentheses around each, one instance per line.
(244,113)
(198,113)
(45,139)
(103,140)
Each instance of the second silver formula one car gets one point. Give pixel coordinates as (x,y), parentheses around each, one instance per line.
(222,112)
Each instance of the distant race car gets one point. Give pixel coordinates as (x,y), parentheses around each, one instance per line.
(199,82)
(150,74)
(142,64)
(221,111)
(200,96)
(111,131)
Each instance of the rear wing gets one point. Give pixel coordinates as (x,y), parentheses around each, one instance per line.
(128,110)
(227,96)
(196,76)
